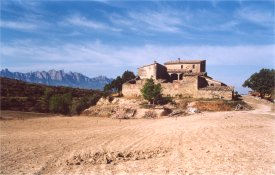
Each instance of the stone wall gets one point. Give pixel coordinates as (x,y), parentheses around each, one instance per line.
(132,90)
(206,81)
(185,67)
(188,87)
(215,94)
(147,72)
(155,71)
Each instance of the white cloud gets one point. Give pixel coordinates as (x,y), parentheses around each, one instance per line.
(18,25)
(82,21)
(161,21)
(256,15)
(121,57)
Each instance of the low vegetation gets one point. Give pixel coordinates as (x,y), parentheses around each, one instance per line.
(22,96)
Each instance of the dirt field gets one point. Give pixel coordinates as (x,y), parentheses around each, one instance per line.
(238,142)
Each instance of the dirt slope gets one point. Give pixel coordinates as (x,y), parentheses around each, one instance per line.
(238,142)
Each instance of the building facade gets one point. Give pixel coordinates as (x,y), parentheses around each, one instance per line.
(182,78)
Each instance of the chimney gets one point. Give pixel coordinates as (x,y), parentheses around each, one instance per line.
(155,62)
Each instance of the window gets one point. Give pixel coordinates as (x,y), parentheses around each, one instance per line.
(193,66)
(181,66)
(211,84)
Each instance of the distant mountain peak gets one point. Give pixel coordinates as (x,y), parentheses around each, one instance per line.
(59,78)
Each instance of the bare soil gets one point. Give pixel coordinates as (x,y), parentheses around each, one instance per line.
(231,142)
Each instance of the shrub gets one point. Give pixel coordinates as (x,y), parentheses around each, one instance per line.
(164,100)
(151,91)
(150,114)
(60,103)
(83,103)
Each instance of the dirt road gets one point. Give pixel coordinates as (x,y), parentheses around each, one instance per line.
(237,142)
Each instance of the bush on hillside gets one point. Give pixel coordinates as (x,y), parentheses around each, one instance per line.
(60,103)
(83,103)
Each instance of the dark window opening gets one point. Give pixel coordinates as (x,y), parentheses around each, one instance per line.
(174,77)
(181,66)
(193,66)
(181,77)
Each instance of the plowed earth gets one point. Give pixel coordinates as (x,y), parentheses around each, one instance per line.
(234,142)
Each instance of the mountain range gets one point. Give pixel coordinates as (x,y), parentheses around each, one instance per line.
(59,78)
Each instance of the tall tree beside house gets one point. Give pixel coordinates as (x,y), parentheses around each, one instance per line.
(108,87)
(262,82)
(128,75)
(116,84)
(151,91)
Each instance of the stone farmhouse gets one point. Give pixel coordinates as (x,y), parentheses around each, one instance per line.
(179,78)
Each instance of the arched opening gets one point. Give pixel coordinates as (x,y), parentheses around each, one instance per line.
(174,77)
(181,77)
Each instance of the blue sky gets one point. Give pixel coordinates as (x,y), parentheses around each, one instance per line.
(108,37)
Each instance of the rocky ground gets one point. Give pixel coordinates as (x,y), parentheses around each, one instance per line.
(231,142)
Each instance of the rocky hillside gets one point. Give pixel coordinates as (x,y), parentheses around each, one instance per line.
(58,78)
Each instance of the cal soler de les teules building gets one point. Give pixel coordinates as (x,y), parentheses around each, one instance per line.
(183,78)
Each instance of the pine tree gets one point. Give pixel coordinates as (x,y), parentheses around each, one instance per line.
(151,91)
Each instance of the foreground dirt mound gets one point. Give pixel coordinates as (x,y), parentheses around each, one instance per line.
(220,105)
(116,157)
(122,108)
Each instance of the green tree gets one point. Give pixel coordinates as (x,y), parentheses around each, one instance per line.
(60,103)
(262,82)
(108,87)
(48,92)
(84,102)
(79,105)
(127,75)
(116,84)
(151,91)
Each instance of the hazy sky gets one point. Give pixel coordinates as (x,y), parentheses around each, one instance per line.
(108,37)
